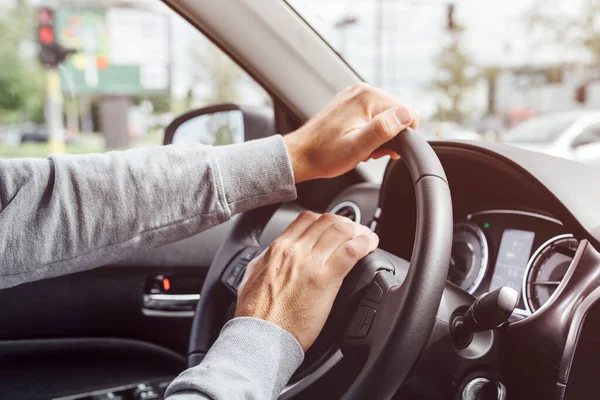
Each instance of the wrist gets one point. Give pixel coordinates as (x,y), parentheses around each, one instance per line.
(297,159)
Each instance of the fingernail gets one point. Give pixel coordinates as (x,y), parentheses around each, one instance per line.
(404,115)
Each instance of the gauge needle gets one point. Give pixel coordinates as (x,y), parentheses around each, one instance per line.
(546,283)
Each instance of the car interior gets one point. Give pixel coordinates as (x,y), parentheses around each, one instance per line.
(486,283)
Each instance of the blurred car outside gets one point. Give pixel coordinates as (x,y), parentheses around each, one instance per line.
(442,130)
(574,135)
(15,134)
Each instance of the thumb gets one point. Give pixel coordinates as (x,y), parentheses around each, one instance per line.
(382,128)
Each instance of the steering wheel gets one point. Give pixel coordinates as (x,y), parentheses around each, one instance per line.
(385,309)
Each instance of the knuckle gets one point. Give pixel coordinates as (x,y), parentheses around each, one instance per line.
(328,217)
(350,250)
(382,129)
(306,215)
(361,87)
(343,227)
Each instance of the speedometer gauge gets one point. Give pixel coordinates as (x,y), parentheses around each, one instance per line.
(469,259)
(546,269)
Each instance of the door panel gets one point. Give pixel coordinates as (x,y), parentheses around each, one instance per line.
(104,302)
(44,369)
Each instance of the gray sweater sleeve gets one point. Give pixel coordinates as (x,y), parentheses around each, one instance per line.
(74,212)
(252,359)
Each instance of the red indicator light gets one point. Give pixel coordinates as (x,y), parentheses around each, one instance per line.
(46,35)
(166,284)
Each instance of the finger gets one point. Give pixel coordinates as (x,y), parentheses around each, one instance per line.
(297,228)
(381,152)
(335,236)
(381,129)
(416,119)
(349,253)
(312,234)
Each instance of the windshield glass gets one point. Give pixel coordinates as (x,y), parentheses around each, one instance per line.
(474,69)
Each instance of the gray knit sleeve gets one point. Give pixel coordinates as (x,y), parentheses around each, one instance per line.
(69,213)
(252,359)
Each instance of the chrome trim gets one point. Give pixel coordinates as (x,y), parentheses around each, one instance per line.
(172,297)
(373,226)
(530,265)
(473,388)
(485,251)
(291,390)
(168,314)
(377,213)
(515,212)
(170,305)
(350,204)
(523,313)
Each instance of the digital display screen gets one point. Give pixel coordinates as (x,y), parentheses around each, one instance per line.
(513,256)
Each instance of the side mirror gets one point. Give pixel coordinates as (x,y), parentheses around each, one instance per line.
(221,124)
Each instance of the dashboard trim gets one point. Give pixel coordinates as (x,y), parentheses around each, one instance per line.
(515,212)
(485,259)
(530,264)
(335,209)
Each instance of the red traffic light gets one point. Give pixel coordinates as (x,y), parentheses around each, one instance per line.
(46,35)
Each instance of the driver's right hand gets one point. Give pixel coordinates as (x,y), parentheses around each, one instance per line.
(294,282)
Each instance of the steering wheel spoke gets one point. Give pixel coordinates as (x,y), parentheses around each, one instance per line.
(364,329)
(234,272)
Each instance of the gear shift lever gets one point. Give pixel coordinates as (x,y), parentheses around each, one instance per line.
(489,311)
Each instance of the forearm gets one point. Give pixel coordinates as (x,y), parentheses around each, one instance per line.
(69,213)
(251,359)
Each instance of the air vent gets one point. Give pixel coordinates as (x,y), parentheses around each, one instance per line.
(347,209)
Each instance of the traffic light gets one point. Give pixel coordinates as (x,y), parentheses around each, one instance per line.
(51,53)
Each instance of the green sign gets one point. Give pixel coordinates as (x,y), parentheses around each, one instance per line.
(120,51)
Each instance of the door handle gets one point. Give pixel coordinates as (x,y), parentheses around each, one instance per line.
(170,305)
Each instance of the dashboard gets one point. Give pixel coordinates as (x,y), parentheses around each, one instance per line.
(507,232)
(526,251)
(521,220)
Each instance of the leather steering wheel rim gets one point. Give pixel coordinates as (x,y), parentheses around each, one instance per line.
(407,313)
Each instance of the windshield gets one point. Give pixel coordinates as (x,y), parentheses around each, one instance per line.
(474,69)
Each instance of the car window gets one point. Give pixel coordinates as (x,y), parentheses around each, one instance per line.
(127,73)
(486,66)
(590,135)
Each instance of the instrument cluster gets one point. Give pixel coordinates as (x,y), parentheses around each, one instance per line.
(526,251)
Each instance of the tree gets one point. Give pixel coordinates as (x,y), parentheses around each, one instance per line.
(456,77)
(218,72)
(160,103)
(21,78)
(563,27)
(221,75)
